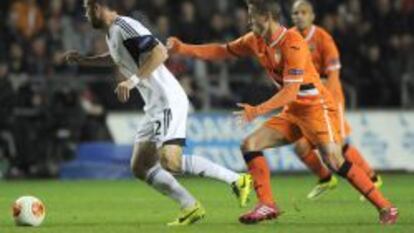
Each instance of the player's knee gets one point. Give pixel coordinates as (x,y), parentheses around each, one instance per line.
(344,169)
(249,144)
(302,148)
(332,156)
(171,162)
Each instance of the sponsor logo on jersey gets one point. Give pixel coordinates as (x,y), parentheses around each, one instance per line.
(295,72)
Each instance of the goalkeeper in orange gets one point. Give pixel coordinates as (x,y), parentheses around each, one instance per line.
(308,108)
(325,57)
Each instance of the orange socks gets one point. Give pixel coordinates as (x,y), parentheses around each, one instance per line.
(352,154)
(312,161)
(258,168)
(359,179)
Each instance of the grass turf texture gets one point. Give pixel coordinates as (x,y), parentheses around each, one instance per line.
(131,206)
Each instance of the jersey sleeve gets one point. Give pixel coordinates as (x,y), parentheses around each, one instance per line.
(295,54)
(137,39)
(241,47)
(330,54)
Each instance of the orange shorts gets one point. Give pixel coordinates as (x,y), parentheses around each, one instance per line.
(339,98)
(344,126)
(317,123)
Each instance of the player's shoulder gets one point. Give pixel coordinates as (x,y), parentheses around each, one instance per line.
(293,36)
(249,37)
(322,33)
(129,26)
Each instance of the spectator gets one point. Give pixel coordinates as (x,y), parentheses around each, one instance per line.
(38,62)
(7,97)
(188,26)
(28,17)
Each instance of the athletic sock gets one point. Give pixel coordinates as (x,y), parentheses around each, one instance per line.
(352,154)
(258,168)
(312,161)
(197,165)
(360,180)
(165,183)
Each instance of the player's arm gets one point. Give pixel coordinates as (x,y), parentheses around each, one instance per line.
(74,57)
(332,64)
(156,57)
(295,61)
(210,52)
(285,96)
(149,54)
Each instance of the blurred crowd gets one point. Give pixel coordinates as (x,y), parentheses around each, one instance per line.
(57,105)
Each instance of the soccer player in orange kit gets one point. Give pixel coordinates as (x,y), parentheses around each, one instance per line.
(308,108)
(325,57)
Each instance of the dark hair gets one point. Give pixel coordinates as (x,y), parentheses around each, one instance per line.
(265,7)
(108,3)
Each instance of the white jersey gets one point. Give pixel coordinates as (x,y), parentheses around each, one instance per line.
(161,90)
(166,104)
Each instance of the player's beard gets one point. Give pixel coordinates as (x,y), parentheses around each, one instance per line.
(97,23)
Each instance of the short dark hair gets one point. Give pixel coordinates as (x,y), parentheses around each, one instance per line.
(265,7)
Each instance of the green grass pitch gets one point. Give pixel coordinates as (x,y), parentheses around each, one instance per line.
(131,206)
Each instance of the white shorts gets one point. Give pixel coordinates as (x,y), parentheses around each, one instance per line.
(165,127)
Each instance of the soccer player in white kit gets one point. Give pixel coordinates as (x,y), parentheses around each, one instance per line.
(161,136)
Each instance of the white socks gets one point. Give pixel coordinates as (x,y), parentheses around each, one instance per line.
(166,184)
(197,165)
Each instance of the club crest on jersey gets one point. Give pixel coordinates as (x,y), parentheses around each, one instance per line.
(278,55)
(312,47)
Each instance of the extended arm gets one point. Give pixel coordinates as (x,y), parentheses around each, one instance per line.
(214,51)
(209,52)
(98,60)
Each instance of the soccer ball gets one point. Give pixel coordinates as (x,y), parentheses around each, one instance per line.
(28,211)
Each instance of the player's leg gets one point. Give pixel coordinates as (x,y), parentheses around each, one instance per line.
(173,159)
(145,166)
(306,153)
(323,130)
(263,138)
(351,153)
(269,135)
(357,177)
(241,184)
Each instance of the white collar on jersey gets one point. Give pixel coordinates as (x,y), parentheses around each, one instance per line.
(311,33)
(281,35)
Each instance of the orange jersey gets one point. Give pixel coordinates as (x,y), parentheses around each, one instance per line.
(326,58)
(325,54)
(286,59)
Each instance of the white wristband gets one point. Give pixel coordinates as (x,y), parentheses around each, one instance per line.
(135,80)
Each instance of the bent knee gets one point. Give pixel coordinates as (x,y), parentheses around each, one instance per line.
(171,162)
(249,144)
(332,157)
(302,148)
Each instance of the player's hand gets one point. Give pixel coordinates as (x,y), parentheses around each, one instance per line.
(122,91)
(173,44)
(73,57)
(248,114)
